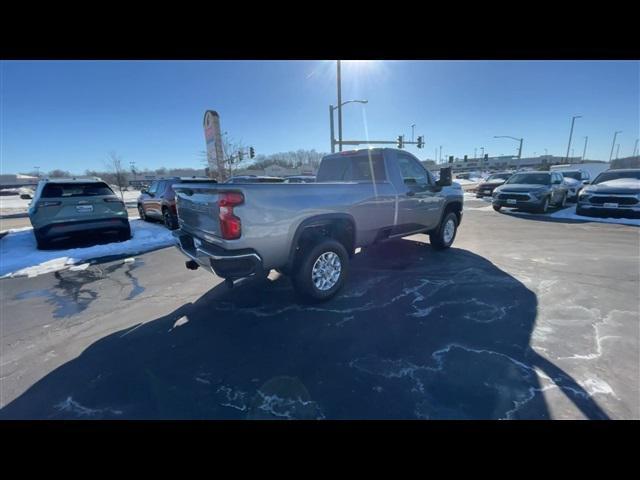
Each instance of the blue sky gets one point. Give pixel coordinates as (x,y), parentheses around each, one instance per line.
(70,114)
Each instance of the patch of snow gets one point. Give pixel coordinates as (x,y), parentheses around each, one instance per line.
(181,321)
(19,255)
(570,213)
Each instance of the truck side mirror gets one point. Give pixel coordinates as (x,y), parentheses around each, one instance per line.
(445,177)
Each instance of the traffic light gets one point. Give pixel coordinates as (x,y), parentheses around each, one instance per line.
(465,158)
(420,141)
(400,141)
(252,152)
(450,158)
(486,157)
(240,154)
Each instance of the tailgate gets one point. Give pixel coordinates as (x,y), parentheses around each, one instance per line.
(197,207)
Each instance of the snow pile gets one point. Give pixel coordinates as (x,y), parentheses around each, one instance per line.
(19,255)
(13,204)
(570,214)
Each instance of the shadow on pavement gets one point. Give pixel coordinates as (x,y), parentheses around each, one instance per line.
(416,333)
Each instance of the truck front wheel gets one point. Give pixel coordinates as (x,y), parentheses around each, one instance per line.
(445,233)
(322,270)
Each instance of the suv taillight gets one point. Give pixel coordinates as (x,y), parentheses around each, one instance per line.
(230,225)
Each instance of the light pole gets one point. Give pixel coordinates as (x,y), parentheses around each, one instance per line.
(635,148)
(614,143)
(412,131)
(475,153)
(339,108)
(440,153)
(618,152)
(517,140)
(584,152)
(573,119)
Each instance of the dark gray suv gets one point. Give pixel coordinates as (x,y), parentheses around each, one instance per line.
(534,191)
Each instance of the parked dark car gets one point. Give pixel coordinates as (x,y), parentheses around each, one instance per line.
(534,191)
(613,192)
(299,179)
(159,200)
(486,187)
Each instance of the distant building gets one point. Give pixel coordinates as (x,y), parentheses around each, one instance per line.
(627,162)
(11,181)
(510,162)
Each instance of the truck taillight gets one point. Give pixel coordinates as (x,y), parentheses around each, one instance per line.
(230,225)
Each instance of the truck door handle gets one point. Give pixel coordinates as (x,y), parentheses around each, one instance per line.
(410,193)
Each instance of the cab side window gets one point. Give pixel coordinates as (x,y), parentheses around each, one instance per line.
(413,174)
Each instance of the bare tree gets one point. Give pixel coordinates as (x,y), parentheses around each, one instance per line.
(59,173)
(114,166)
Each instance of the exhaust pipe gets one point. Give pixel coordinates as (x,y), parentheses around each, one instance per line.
(191,264)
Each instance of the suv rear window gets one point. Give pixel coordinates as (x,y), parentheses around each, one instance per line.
(363,167)
(65,190)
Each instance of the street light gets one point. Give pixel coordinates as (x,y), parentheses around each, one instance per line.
(339,108)
(584,152)
(412,130)
(613,143)
(517,140)
(573,119)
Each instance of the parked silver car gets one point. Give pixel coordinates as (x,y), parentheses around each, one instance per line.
(575,180)
(534,191)
(613,192)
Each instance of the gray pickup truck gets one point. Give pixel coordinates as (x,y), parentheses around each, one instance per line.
(309,231)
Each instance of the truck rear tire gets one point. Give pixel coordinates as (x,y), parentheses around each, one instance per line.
(322,270)
(445,233)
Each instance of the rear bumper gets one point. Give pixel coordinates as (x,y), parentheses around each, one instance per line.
(61,229)
(224,263)
(632,211)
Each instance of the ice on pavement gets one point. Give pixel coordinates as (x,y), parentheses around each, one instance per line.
(19,255)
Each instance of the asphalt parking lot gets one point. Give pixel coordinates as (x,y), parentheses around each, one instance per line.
(525,318)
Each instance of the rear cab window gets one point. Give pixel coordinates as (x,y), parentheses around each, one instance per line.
(68,190)
(359,167)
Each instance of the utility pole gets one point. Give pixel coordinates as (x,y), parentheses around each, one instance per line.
(613,143)
(573,119)
(333,144)
(339,109)
(584,152)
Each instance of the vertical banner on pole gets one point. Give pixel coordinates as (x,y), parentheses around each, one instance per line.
(212,135)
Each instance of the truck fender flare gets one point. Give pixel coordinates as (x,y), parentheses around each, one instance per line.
(316,221)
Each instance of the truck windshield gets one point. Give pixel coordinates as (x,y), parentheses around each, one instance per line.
(607,176)
(530,178)
(360,167)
